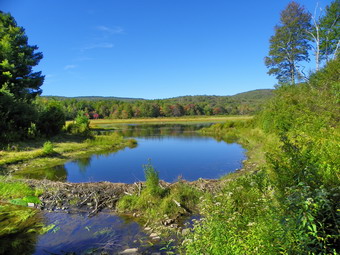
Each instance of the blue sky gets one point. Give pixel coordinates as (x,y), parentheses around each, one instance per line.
(151,48)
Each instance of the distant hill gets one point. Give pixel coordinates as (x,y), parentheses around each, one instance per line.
(257,95)
(253,95)
(122,107)
(95,98)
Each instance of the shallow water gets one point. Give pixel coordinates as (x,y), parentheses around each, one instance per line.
(174,150)
(83,235)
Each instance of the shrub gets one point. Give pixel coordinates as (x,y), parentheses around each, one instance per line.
(81,125)
(241,219)
(51,119)
(48,148)
(32,131)
(152,179)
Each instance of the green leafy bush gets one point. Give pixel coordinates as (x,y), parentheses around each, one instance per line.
(240,219)
(48,148)
(33,131)
(152,179)
(80,126)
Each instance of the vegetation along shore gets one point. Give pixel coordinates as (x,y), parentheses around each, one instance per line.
(284,199)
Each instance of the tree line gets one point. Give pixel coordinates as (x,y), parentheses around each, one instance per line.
(175,107)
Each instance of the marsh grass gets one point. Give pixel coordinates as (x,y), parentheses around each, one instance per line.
(99,123)
(23,223)
(16,219)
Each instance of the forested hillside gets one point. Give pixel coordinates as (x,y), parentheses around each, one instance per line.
(123,108)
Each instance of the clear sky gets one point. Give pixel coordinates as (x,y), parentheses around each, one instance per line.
(151,48)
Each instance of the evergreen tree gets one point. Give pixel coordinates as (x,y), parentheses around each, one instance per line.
(289,45)
(19,85)
(17,59)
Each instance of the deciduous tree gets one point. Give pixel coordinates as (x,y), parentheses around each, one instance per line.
(330,31)
(289,45)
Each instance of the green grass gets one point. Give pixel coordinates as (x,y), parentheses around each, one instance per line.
(153,206)
(16,219)
(163,120)
(20,227)
(240,219)
(10,189)
(17,192)
(29,158)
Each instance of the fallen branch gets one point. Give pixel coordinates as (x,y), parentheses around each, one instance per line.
(182,206)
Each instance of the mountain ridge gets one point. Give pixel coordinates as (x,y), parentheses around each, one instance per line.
(251,94)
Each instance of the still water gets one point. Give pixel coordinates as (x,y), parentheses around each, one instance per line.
(174,151)
(80,234)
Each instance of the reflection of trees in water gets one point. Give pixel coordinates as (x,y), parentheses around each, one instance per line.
(160,130)
(23,243)
(83,164)
(57,173)
(225,138)
(24,238)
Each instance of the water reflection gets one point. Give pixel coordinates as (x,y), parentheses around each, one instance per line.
(144,130)
(79,234)
(175,150)
(20,228)
(57,173)
(83,163)
(23,243)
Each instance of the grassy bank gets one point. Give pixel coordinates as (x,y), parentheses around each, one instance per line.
(163,120)
(253,139)
(251,215)
(16,219)
(290,204)
(31,157)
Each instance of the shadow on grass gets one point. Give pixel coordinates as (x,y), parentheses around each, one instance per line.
(39,142)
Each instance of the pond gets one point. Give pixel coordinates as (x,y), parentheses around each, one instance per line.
(175,151)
